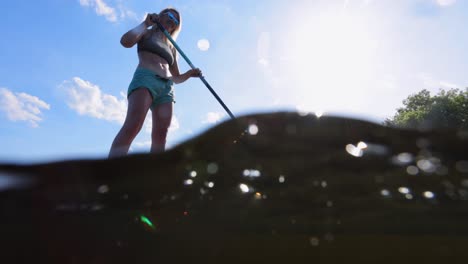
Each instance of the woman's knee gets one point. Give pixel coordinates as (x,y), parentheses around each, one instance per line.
(132,129)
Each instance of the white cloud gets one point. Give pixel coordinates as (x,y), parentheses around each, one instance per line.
(448,85)
(125,12)
(87,99)
(101,8)
(22,107)
(142,144)
(432,84)
(445,3)
(85,2)
(212,118)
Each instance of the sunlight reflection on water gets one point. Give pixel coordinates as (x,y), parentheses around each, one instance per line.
(253,129)
(428,194)
(244,188)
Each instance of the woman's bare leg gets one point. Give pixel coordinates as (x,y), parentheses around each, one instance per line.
(139,102)
(162,116)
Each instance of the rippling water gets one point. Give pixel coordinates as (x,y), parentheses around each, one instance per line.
(267,188)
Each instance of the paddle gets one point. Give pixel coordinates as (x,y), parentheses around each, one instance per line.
(193,67)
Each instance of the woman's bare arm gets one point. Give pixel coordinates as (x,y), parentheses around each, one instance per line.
(180,78)
(134,35)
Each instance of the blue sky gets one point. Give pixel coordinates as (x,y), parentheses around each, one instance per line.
(64,74)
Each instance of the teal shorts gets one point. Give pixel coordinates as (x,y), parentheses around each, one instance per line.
(162,90)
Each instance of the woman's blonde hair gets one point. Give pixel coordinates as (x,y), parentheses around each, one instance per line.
(174,34)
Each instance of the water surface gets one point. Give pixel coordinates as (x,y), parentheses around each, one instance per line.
(266,188)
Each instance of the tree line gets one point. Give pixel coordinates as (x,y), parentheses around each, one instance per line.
(445,110)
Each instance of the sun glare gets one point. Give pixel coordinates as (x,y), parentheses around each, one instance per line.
(330,55)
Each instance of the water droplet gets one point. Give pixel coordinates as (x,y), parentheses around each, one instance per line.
(252,173)
(253,130)
(258,195)
(281,179)
(404,190)
(193,174)
(255,173)
(244,188)
(324,184)
(212,168)
(429,194)
(426,165)
(412,170)
(209,184)
(362,145)
(409,196)
(188,182)
(385,193)
(314,241)
(354,151)
(302,112)
(146,221)
(103,189)
(403,158)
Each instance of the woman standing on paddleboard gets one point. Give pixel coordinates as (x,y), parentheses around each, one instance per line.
(153,80)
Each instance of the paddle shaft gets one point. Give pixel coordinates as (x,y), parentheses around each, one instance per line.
(193,67)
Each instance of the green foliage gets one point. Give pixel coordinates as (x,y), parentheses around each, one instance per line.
(447,109)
